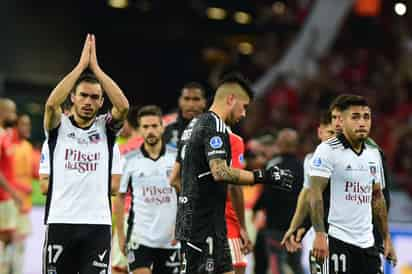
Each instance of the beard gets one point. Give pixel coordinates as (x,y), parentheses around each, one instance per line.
(151,140)
(84,117)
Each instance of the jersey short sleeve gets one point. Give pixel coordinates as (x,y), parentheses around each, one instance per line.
(117,167)
(44,167)
(306,167)
(125,179)
(215,143)
(321,164)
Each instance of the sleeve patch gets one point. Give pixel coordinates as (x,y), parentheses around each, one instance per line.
(216,142)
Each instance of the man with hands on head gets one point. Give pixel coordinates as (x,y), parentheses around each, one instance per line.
(81,149)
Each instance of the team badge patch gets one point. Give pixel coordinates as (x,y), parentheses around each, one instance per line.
(317,162)
(216,142)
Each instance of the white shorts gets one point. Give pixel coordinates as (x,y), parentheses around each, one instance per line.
(238,258)
(8,216)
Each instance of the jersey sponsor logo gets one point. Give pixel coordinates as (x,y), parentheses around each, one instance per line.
(317,162)
(157,195)
(216,142)
(358,193)
(82,162)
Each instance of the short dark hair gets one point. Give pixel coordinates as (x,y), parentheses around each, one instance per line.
(150,110)
(325,118)
(85,77)
(344,101)
(195,85)
(237,78)
(132,116)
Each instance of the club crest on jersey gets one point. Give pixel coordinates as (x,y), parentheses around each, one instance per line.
(372,169)
(317,162)
(216,142)
(94,138)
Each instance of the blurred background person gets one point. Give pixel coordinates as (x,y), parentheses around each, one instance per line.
(279,207)
(25,163)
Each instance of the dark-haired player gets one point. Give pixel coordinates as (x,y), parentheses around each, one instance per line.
(353,169)
(205,155)
(78,214)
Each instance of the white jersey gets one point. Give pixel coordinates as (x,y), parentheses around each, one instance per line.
(352,176)
(306,167)
(154,203)
(81,163)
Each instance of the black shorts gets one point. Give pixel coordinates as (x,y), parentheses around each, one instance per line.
(349,259)
(197,260)
(77,248)
(160,260)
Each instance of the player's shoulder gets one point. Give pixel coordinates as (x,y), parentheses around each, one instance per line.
(170,149)
(134,154)
(334,143)
(212,121)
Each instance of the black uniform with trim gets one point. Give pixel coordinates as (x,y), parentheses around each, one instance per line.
(201,205)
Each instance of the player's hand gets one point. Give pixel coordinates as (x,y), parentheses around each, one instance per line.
(276,177)
(122,243)
(85,55)
(292,239)
(320,246)
(246,243)
(94,65)
(390,253)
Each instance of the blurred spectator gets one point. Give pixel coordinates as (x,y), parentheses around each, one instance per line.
(280,207)
(25,171)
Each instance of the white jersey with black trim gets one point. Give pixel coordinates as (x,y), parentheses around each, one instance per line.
(152,215)
(352,176)
(81,162)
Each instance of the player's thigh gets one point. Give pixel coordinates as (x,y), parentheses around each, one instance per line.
(140,258)
(372,263)
(166,261)
(142,270)
(59,254)
(95,248)
(342,258)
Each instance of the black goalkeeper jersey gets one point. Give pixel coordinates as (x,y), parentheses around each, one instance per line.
(201,206)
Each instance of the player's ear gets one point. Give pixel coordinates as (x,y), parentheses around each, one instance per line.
(101,102)
(231,99)
(72,95)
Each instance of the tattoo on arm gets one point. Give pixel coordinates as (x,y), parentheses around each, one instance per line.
(222,172)
(318,184)
(379,211)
